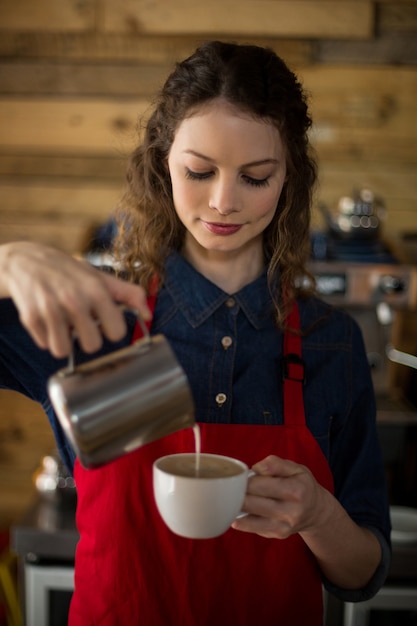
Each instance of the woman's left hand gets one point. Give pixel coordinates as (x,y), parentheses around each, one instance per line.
(283,498)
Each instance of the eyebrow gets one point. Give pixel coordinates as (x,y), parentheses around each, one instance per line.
(251,164)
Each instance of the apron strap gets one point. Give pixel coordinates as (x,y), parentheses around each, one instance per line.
(151,299)
(293,374)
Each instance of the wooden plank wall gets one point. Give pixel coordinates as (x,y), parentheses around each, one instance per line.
(75,76)
(25,437)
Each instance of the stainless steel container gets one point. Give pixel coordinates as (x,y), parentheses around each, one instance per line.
(119,402)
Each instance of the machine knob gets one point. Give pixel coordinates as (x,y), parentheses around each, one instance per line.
(391,284)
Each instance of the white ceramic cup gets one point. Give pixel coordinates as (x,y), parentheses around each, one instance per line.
(199,506)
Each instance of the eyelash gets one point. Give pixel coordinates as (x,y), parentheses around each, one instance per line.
(253,182)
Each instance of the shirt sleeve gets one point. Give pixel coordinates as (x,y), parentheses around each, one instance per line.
(376,582)
(23,366)
(357,465)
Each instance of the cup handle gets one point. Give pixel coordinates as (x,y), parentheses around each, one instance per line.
(242,513)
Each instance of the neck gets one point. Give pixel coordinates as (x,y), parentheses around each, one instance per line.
(230,272)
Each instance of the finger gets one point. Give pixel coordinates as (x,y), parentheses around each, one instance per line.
(95,315)
(277,466)
(90,310)
(264,527)
(110,320)
(43,322)
(87,331)
(49,331)
(268,517)
(132,296)
(272,497)
(266,486)
(59,339)
(293,490)
(35,327)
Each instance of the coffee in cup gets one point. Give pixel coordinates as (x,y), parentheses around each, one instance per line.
(199,495)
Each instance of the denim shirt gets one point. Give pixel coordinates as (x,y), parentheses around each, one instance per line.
(231,349)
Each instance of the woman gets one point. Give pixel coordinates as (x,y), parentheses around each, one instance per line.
(217,209)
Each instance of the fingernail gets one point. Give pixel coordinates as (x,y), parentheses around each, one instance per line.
(260,467)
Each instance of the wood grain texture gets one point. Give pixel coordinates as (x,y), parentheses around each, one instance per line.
(47,15)
(127,47)
(280,18)
(70,125)
(88,79)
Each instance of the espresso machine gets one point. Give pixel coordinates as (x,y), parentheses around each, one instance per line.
(356,269)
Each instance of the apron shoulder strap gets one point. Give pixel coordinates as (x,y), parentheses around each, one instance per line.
(151,299)
(293,370)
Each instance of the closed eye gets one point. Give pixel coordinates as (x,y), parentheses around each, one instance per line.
(197,175)
(249,180)
(256,182)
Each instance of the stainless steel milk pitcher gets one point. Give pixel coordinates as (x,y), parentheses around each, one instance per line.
(116,403)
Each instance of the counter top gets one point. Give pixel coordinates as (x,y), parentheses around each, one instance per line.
(46,531)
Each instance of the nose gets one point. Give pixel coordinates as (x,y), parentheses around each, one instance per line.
(224,197)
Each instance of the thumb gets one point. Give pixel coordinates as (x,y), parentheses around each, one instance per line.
(276,466)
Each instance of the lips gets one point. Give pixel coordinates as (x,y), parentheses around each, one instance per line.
(222,229)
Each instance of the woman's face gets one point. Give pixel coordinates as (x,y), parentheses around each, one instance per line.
(227,172)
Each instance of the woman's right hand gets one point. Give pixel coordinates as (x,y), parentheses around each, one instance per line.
(56,295)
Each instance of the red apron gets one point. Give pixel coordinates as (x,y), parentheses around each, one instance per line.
(131,570)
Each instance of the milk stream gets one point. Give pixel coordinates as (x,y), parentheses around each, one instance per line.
(197,441)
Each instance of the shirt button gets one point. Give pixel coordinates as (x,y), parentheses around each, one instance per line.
(230,302)
(226,342)
(221,399)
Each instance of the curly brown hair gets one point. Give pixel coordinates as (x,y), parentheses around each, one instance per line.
(258,82)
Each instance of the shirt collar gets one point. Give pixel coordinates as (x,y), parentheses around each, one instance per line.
(198,298)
